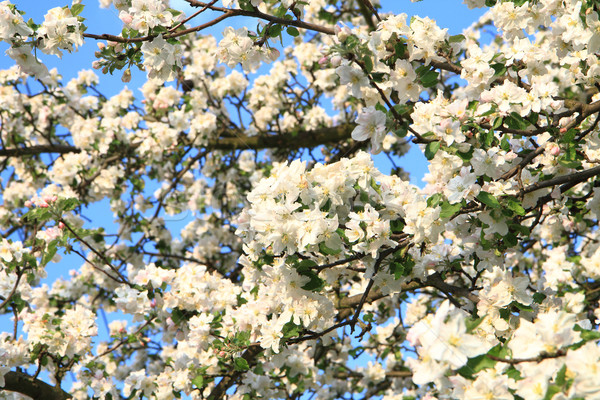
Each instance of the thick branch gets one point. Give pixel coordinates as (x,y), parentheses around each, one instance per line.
(38,149)
(285,141)
(36,389)
(570,180)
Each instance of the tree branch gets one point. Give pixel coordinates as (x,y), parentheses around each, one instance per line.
(288,141)
(569,180)
(20,382)
(38,149)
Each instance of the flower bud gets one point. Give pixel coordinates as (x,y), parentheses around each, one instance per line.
(336,60)
(273,54)
(126,18)
(554,149)
(126,76)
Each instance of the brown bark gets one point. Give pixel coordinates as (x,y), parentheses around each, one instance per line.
(22,383)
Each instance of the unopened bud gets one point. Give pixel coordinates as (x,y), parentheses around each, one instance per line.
(126,76)
(126,18)
(324,60)
(273,54)
(336,60)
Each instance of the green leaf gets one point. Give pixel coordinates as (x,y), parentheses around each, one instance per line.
(552,390)
(400,268)
(431,149)
(514,373)
(515,121)
(434,200)
(488,199)
(448,210)
(522,307)
(472,323)
(368,61)
(240,364)
(504,144)
(497,122)
(429,79)
(515,206)
(50,252)
(499,69)
(68,204)
(539,297)
(456,38)
(510,240)
(198,381)
(486,138)
(292,31)
(396,226)
(327,250)
(564,161)
(475,365)
(561,376)
(38,214)
(274,30)
(586,334)
(76,9)
(315,283)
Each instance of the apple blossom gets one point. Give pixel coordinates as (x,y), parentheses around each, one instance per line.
(254,249)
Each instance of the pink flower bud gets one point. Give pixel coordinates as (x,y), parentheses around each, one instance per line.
(554,150)
(324,60)
(101,45)
(563,130)
(126,18)
(61,225)
(28,203)
(96,65)
(336,60)
(273,54)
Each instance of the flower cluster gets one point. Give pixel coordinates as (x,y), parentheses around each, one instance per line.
(256,250)
(61,30)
